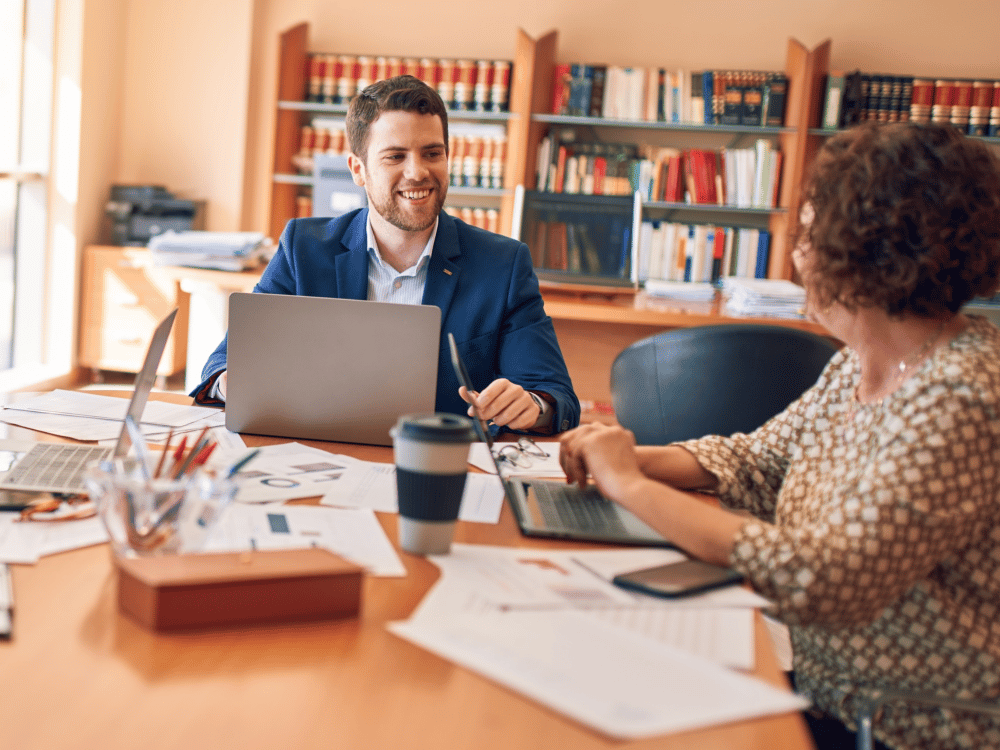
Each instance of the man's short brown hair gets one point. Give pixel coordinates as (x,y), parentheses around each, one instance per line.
(400,93)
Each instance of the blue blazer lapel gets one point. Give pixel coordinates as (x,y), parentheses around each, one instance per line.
(443,271)
(352,266)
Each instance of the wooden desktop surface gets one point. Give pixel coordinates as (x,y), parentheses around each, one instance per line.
(78,674)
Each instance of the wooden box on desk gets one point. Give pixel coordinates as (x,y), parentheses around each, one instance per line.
(200,591)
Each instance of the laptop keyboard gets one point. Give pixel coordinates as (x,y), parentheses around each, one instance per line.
(566,506)
(53,467)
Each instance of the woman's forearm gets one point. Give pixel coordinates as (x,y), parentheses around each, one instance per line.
(675,466)
(695,524)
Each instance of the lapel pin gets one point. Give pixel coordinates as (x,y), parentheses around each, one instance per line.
(447,271)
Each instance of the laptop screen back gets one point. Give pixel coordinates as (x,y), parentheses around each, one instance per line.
(322,368)
(144,381)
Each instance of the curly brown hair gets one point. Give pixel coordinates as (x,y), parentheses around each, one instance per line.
(400,93)
(906,218)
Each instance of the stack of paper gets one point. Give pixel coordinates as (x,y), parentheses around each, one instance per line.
(224,251)
(773,298)
(689,291)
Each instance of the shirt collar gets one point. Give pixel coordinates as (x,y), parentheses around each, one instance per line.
(375,253)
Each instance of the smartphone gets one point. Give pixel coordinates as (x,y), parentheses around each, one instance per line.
(677,579)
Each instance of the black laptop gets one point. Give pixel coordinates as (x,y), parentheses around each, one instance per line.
(557,510)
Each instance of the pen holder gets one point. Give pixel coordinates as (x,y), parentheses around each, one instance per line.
(147,517)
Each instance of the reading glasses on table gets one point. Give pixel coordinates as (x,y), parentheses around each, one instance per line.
(520,454)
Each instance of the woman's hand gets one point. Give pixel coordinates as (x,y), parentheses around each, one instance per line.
(606,453)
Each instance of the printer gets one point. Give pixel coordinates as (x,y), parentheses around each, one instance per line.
(140,212)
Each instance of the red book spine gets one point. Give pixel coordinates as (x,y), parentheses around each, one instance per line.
(600,174)
(941,109)
(673,192)
(921,100)
(961,103)
(560,170)
(561,81)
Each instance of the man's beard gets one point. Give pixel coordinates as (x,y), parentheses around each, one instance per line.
(390,209)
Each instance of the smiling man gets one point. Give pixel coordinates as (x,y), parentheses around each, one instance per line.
(403,248)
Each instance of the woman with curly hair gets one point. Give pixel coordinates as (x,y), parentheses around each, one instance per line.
(873,499)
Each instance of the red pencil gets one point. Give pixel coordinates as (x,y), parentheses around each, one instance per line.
(203,455)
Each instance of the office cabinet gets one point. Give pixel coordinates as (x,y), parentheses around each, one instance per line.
(124,296)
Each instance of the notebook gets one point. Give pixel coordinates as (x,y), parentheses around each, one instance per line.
(558,510)
(322,368)
(59,467)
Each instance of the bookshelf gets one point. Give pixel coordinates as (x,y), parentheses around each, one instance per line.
(293,111)
(594,320)
(528,118)
(802,68)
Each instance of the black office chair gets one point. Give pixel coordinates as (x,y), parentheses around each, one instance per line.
(718,379)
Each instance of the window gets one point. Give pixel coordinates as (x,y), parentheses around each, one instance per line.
(27,39)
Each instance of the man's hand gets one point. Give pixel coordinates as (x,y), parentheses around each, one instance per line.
(503,403)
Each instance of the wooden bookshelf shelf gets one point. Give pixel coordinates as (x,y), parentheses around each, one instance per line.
(600,122)
(708,208)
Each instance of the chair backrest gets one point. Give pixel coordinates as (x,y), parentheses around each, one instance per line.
(713,380)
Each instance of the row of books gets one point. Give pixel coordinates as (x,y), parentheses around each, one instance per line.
(469,85)
(484,218)
(711,97)
(972,106)
(474,160)
(700,253)
(591,248)
(588,168)
(738,177)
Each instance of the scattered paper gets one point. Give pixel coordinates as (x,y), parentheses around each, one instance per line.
(26,541)
(364,484)
(283,472)
(483,578)
(530,620)
(352,533)
(95,406)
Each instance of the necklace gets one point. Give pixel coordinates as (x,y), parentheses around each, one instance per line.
(903,368)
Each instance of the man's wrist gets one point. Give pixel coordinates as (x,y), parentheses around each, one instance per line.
(539,402)
(545,412)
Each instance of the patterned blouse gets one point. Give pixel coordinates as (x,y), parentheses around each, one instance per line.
(877,536)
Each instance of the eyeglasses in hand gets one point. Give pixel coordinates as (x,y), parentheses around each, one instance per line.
(521,454)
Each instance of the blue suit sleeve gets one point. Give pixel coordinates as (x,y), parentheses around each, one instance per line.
(529,352)
(278,278)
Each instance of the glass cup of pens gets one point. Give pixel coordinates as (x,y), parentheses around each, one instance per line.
(157,511)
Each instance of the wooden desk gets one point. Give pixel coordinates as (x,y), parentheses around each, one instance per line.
(79,675)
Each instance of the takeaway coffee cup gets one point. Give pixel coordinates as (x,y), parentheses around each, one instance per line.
(432,453)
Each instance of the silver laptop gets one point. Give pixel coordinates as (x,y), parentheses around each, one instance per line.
(321,368)
(552,509)
(59,467)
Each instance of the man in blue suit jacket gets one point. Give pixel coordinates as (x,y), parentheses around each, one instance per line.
(404,248)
